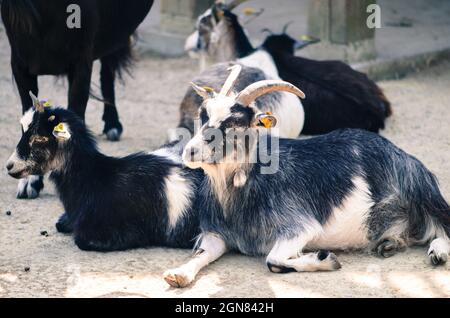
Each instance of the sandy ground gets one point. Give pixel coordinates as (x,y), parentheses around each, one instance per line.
(149,106)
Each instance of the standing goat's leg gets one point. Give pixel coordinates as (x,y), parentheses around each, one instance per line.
(29,187)
(113,128)
(211,248)
(79,87)
(286,257)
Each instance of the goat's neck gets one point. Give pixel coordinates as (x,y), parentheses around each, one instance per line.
(74,163)
(221,178)
(232,42)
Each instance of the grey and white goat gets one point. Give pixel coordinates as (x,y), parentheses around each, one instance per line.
(349,189)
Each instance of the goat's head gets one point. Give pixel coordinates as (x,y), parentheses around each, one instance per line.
(285,43)
(46,131)
(214,31)
(228,120)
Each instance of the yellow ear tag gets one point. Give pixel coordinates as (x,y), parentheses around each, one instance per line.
(305,38)
(267,122)
(47,104)
(61,132)
(208,89)
(249,11)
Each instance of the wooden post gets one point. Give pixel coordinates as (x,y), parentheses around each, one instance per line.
(342,27)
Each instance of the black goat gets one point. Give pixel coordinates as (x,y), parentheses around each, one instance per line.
(110,203)
(337,95)
(43,44)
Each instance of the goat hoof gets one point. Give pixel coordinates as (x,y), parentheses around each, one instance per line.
(113,131)
(30,187)
(63,225)
(176,278)
(437,258)
(328,260)
(438,251)
(279,269)
(113,134)
(387,248)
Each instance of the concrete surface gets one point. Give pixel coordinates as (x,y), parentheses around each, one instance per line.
(148,106)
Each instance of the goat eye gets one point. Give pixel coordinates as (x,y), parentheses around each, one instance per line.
(39,140)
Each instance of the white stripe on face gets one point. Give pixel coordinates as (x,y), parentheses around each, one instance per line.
(219,109)
(27,119)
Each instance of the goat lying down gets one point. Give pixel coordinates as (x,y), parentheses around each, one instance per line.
(338,96)
(349,189)
(110,203)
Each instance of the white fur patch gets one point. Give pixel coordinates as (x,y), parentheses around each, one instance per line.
(289,111)
(27,119)
(262,60)
(167,154)
(290,115)
(346,228)
(25,185)
(179,195)
(218,109)
(191,42)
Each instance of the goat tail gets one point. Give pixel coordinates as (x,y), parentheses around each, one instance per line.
(429,211)
(122,60)
(386,104)
(20,15)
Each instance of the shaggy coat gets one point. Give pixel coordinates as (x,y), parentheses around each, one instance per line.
(144,199)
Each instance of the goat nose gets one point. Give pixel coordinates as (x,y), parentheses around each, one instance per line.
(9,165)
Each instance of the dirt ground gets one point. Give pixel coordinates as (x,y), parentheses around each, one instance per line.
(148,106)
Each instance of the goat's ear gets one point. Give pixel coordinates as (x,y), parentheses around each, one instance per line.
(61,131)
(38,106)
(266,120)
(218,11)
(204,91)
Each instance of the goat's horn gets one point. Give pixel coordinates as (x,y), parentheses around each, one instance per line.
(202,91)
(255,90)
(286,26)
(36,103)
(267,30)
(231,80)
(234,4)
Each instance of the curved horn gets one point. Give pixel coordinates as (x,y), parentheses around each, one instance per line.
(286,26)
(267,30)
(234,4)
(231,80)
(39,107)
(255,90)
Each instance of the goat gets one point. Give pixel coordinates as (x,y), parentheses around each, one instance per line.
(286,107)
(338,96)
(110,203)
(349,189)
(43,44)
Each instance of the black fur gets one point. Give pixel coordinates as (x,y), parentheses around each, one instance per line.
(314,177)
(42,44)
(110,203)
(337,95)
